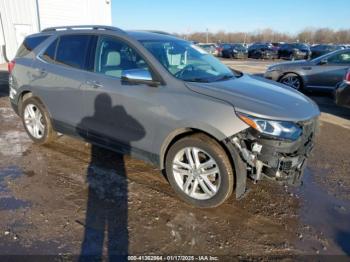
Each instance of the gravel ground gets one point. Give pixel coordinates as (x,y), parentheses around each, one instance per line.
(51,204)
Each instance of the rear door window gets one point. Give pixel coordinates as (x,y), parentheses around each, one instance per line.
(74,51)
(29,44)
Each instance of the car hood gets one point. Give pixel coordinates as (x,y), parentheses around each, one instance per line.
(260,97)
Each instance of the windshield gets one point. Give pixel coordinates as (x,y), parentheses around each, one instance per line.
(188,62)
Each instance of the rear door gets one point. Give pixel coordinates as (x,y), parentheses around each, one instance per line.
(60,74)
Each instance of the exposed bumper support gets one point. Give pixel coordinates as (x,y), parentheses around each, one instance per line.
(279,160)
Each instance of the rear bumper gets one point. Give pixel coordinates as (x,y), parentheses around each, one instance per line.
(240,55)
(278,160)
(301,56)
(269,55)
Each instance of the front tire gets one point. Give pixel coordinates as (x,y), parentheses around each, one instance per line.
(36,121)
(200,171)
(293,81)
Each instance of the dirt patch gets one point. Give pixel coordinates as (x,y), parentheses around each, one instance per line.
(72,198)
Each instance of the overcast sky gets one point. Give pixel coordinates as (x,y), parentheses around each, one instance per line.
(183,16)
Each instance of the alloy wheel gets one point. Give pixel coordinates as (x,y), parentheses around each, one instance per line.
(196,173)
(292,81)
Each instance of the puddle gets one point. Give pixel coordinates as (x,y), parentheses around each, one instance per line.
(7,201)
(14,250)
(11,203)
(10,172)
(327,215)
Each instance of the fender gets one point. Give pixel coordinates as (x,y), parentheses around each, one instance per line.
(240,168)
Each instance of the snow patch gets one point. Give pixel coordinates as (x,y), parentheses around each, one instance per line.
(6,113)
(14,143)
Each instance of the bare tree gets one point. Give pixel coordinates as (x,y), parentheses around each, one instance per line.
(308,35)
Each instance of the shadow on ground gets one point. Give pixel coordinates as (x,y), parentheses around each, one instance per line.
(107,205)
(326,103)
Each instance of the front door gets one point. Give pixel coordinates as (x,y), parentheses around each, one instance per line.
(119,114)
(329,74)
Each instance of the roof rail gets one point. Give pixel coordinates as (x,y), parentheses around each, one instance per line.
(158,32)
(82,27)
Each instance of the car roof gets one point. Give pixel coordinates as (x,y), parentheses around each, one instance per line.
(151,36)
(140,35)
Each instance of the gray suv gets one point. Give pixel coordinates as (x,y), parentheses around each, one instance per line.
(166,101)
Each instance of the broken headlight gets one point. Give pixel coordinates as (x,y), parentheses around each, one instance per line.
(279,129)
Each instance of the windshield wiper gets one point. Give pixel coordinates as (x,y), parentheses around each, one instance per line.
(224,77)
(196,79)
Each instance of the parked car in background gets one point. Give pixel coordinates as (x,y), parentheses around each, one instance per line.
(162,99)
(294,51)
(319,50)
(342,93)
(322,73)
(209,48)
(262,51)
(234,51)
(219,48)
(277,45)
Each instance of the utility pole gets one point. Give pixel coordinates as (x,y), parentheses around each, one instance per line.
(207,35)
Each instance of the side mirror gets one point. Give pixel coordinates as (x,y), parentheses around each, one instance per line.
(323,61)
(138,76)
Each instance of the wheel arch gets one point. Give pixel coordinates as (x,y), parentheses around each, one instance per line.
(238,166)
(23,95)
(26,94)
(300,76)
(177,134)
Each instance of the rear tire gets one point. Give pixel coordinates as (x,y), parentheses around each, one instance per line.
(206,181)
(37,122)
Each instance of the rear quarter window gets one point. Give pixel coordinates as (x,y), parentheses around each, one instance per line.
(50,52)
(29,44)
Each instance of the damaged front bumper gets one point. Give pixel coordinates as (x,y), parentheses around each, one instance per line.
(279,160)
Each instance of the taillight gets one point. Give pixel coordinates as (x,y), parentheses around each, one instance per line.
(11,66)
(347,78)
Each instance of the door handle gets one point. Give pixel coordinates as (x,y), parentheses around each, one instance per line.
(307,68)
(94,84)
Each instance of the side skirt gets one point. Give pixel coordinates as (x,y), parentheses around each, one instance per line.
(105,142)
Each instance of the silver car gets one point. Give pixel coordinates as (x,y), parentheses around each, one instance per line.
(322,73)
(164,100)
